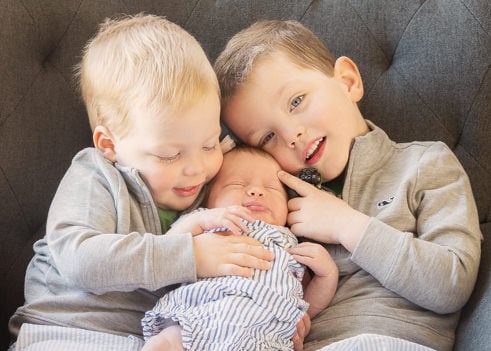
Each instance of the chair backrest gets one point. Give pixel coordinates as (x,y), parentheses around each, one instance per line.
(425,66)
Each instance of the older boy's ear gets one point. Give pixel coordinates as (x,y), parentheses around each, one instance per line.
(103,141)
(347,71)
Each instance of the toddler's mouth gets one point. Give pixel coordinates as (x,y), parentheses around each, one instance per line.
(187,191)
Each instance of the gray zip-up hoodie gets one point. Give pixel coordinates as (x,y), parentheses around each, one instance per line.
(103,259)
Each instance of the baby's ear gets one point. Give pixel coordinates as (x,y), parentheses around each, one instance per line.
(103,141)
(347,72)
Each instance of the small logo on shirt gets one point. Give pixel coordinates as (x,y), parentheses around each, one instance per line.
(383,203)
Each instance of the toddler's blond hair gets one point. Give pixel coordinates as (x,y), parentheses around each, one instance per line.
(141,62)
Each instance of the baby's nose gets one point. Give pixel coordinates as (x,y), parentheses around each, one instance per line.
(255,191)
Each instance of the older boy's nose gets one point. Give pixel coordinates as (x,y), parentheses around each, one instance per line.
(293,142)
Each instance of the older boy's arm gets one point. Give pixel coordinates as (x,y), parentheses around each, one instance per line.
(438,253)
(319,289)
(440,256)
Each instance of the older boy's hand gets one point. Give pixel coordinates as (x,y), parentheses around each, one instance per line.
(303,328)
(321,216)
(219,255)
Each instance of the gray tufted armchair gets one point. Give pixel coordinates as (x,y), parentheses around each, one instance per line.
(425,64)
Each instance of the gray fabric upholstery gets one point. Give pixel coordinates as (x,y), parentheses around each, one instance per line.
(426,69)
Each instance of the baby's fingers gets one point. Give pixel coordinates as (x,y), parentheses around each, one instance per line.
(235,223)
(307,253)
(314,256)
(306,249)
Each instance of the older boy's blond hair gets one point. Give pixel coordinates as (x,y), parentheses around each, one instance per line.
(141,62)
(263,38)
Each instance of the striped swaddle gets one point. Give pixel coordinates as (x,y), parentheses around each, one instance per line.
(235,313)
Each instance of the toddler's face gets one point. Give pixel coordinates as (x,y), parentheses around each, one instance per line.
(176,154)
(251,181)
(300,116)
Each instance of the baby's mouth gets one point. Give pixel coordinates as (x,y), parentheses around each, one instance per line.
(314,148)
(255,206)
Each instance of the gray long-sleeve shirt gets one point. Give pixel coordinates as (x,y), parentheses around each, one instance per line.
(416,264)
(103,261)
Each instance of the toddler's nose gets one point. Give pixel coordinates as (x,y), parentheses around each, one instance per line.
(195,166)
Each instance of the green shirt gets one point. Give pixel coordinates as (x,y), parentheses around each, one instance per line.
(336,185)
(167,217)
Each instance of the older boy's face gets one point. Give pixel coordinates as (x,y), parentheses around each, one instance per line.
(251,181)
(302,117)
(177,153)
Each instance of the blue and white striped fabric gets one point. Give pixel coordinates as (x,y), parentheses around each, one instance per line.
(33,337)
(235,313)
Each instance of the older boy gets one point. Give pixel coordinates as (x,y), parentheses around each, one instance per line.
(405,232)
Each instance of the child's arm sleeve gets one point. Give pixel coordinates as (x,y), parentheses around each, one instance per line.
(436,266)
(97,239)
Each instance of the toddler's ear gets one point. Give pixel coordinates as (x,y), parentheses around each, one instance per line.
(103,141)
(347,71)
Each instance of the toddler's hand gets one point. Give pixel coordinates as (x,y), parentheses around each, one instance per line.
(219,255)
(200,221)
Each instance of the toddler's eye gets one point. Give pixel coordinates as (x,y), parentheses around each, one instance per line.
(295,102)
(168,159)
(266,139)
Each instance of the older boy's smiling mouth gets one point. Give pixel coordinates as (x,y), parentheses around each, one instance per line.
(314,150)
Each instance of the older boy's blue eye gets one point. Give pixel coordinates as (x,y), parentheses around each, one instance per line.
(295,102)
(266,139)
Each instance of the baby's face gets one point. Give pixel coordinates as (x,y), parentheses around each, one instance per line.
(250,180)
(176,153)
(301,116)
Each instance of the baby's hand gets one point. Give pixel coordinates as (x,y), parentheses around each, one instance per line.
(200,221)
(303,329)
(316,257)
(219,255)
(322,286)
